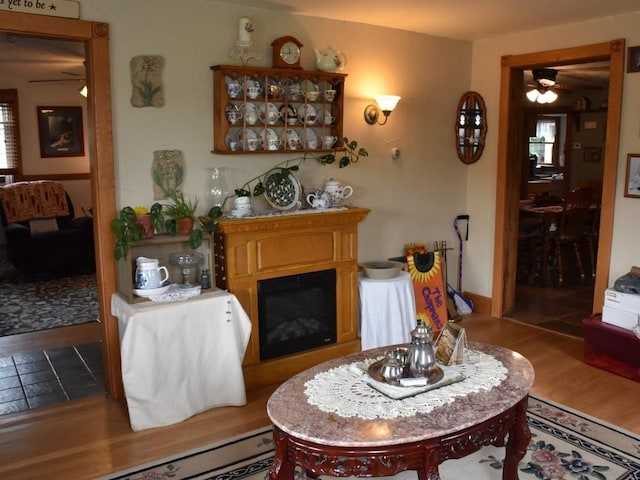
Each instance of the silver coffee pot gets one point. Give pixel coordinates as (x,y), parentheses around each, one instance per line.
(421,355)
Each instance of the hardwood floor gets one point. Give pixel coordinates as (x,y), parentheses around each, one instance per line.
(85,439)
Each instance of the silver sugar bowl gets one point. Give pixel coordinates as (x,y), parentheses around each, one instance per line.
(422,358)
(391,369)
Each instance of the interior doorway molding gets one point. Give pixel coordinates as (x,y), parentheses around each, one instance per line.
(509,166)
(95,37)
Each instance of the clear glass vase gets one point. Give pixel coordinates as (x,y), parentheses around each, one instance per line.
(218,188)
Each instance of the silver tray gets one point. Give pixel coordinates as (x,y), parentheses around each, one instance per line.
(434,375)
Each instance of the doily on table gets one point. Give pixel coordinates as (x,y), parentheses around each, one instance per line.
(177,293)
(344,390)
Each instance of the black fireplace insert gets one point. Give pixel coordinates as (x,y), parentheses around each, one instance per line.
(296,313)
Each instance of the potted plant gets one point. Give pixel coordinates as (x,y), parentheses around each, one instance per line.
(184,212)
(130,228)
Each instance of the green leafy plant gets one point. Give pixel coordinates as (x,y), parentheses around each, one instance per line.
(129,232)
(255,186)
(182,207)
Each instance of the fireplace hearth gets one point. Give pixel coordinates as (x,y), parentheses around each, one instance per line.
(296,313)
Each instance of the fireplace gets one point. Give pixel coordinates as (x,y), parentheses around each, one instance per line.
(296,313)
(250,252)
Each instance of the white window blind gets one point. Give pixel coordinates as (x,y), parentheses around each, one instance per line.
(9,133)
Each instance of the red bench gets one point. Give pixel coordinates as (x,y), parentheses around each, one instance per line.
(611,348)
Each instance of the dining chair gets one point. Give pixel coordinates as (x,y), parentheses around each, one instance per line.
(572,230)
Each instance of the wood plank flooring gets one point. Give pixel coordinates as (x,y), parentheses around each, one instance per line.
(85,439)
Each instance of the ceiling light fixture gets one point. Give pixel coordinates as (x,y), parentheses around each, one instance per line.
(545,96)
(386,104)
(545,78)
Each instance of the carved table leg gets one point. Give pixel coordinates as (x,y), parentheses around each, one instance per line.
(282,468)
(519,437)
(429,473)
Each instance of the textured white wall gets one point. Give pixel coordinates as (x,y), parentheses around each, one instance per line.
(415,198)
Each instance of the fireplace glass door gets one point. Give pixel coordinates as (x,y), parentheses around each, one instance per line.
(296,313)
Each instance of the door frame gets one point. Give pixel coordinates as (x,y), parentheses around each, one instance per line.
(509,171)
(95,36)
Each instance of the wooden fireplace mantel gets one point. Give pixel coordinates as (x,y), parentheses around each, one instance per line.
(253,249)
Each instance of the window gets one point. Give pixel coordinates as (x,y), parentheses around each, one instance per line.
(545,143)
(10,159)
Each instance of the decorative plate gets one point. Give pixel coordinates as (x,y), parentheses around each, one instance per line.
(292,139)
(250,134)
(309,139)
(325,117)
(309,86)
(269,115)
(283,194)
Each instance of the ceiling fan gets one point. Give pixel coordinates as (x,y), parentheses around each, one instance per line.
(79,79)
(75,77)
(547,78)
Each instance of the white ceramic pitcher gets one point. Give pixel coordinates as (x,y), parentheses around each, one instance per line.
(149,273)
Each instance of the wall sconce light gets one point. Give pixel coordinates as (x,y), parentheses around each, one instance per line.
(83,91)
(386,104)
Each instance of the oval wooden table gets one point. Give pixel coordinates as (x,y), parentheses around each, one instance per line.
(325,443)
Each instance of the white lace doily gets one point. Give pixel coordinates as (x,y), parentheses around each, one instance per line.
(177,293)
(344,391)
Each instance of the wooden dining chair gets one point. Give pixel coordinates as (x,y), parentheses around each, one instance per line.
(572,230)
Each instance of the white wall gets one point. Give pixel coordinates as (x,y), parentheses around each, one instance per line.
(415,198)
(481,176)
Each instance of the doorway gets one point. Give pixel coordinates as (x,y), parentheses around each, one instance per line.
(95,37)
(510,171)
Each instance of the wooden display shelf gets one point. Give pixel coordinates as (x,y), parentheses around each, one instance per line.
(224,131)
(161,247)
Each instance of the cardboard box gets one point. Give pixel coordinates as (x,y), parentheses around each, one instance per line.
(619,317)
(623,301)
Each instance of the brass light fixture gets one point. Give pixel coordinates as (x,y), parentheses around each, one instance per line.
(385,104)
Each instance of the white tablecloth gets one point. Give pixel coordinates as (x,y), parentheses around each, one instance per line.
(387,310)
(181,358)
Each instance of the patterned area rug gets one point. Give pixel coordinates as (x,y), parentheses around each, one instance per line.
(48,303)
(565,444)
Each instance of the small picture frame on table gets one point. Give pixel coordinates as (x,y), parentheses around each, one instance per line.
(633,59)
(632,178)
(451,345)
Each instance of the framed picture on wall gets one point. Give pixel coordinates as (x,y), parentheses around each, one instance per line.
(60,131)
(633,59)
(592,154)
(632,182)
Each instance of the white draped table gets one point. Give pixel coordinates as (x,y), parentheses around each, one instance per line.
(387,310)
(181,358)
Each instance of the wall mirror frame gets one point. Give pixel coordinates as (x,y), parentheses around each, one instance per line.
(471,127)
(95,37)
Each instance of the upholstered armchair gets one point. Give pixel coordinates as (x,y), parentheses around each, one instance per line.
(43,236)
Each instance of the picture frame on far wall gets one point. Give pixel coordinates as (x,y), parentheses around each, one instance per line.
(633,59)
(592,154)
(60,131)
(632,178)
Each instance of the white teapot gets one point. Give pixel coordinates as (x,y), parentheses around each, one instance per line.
(330,60)
(336,192)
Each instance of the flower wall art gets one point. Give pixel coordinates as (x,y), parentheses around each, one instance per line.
(146,81)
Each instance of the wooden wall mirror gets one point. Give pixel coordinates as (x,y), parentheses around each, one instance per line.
(471,127)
